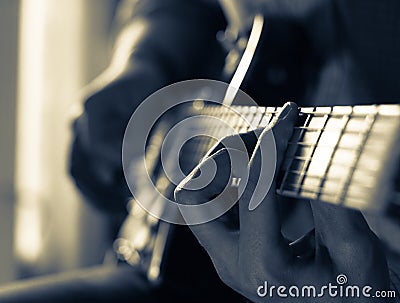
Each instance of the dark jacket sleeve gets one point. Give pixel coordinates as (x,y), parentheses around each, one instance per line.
(163,41)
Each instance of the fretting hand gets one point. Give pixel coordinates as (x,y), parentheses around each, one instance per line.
(255,251)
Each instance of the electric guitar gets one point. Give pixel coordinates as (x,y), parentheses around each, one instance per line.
(343,155)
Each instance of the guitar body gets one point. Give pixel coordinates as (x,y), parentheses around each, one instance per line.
(165,252)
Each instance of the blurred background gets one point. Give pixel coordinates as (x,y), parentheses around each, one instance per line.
(48,51)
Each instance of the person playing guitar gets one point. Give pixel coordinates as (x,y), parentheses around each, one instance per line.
(316,53)
(313,52)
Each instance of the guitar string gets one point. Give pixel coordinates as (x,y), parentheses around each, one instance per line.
(306,175)
(358,157)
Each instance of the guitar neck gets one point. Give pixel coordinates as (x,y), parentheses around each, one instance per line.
(341,155)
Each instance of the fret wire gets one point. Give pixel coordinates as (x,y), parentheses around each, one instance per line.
(249,123)
(267,115)
(206,144)
(306,122)
(223,114)
(219,132)
(311,189)
(238,108)
(235,120)
(357,159)
(253,124)
(335,148)
(249,117)
(252,121)
(327,197)
(238,121)
(307,164)
(332,114)
(308,159)
(202,146)
(337,165)
(264,115)
(274,112)
(325,129)
(272,116)
(355,167)
(326,146)
(326,178)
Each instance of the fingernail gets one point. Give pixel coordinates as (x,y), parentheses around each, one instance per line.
(286,109)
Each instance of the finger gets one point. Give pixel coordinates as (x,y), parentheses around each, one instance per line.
(218,240)
(260,226)
(343,233)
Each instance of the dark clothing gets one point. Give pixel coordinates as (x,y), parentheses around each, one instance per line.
(105,284)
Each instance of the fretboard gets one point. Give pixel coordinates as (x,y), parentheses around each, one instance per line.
(342,155)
